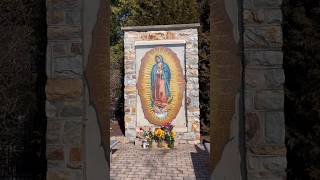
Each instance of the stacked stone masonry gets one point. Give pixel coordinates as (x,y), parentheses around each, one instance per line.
(64,90)
(264,93)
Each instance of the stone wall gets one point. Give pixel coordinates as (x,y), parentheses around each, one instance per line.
(171,32)
(64,90)
(248,98)
(77,121)
(264,93)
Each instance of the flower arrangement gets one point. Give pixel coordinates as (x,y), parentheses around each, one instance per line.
(149,136)
(166,134)
(163,134)
(169,134)
(159,136)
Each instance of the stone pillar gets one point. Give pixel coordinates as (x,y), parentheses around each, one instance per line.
(96,64)
(247,91)
(226,96)
(64,90)
(264,93)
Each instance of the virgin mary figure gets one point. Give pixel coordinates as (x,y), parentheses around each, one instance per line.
(160,87)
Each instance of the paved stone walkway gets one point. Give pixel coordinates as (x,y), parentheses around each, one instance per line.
(184,162)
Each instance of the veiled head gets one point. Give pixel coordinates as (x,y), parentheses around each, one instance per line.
(159,59)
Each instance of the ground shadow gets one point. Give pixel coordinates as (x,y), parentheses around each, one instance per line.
(118,124)
(201,162)
(121,122)
(114,151)
(119,108)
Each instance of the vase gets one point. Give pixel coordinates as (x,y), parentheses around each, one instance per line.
(144,144)
(150,144)
(160,144)
(165,145)
(171,145)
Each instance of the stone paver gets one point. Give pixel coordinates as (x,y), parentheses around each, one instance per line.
(184,162)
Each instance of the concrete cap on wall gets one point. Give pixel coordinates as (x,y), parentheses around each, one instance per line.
(160,27)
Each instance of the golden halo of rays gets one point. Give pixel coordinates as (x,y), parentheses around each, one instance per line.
(177,84)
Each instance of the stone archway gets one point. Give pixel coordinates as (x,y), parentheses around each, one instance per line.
(247,93)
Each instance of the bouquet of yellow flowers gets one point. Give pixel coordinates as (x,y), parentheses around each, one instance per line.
(159,135)
(168,134)
(164,133)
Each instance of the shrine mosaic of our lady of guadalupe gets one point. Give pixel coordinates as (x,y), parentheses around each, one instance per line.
(160,85)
